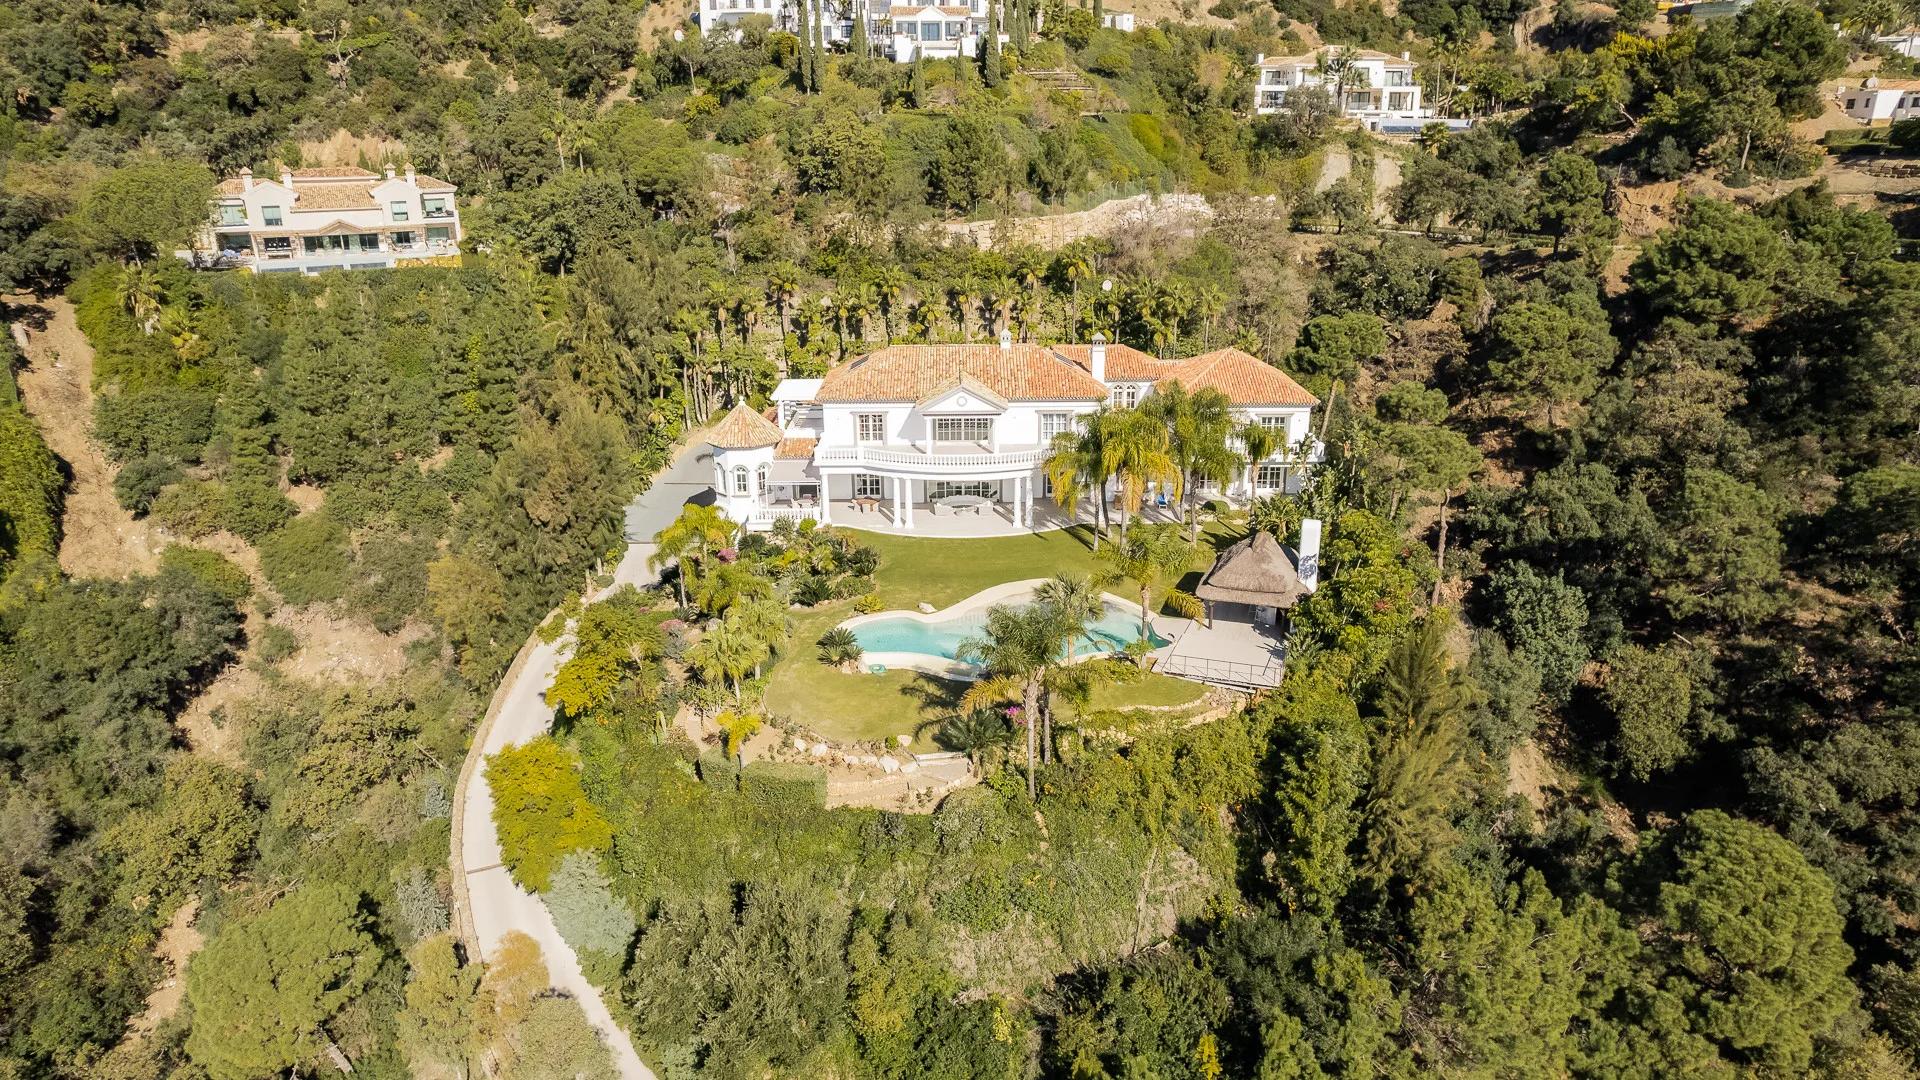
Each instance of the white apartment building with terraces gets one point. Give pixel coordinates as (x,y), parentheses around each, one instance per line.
(1369,86)
(952,440)
(310,220)
(905,32)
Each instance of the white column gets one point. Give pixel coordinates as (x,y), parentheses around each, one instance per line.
(826,501)
(899,513)
(906,486)
(1028,488)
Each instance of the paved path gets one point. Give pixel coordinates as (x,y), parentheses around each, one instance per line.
(498,905)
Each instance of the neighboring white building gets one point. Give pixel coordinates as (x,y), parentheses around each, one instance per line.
(1880,100)
(904,32)
(311,220)
(1907,44)
(1369,86)
(911,433)
(1117,20)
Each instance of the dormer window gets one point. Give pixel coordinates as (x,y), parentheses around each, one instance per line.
(399,209)
(435,207)
(271,215)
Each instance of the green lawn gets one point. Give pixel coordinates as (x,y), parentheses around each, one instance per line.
(913,570)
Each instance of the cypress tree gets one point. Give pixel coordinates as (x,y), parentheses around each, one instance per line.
(857,43)
(990,72)
(806,48)
(1099,13)
(917,84)
(819,41)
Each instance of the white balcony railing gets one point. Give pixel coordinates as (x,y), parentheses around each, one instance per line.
(921,460)
(767,515)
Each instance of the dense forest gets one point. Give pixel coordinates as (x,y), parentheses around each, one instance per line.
(1637,515)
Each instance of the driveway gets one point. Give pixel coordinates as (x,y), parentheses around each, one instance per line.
(497,905)
(689,479)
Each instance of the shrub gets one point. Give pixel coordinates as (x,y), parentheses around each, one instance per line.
(1905,134)
(867,604)
(30,489)
(307,560)
(277,643)
(221,575)
(598,924)
(163,420)
(718,772)
(140,481)
(779,789)
(541,810)
(191,507)
(254,508)
(981,902)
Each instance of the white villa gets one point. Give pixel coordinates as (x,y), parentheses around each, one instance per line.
(310,220)
(951,439)
(1372,87)
(905,32)
(1878,100)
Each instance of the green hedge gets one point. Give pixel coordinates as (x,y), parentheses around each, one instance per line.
(783,787)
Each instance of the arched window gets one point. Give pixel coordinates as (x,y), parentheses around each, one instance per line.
(740,480)
(761,482)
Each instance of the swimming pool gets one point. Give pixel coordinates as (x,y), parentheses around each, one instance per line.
(941,635)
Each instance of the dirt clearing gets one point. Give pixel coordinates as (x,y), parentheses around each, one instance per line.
(98,538)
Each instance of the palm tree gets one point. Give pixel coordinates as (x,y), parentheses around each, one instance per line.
(1015,649)
(840,648)
(1154,557)
(1075,266)
(140,292)
(808,317)
(1257,442)
(1076,468)
(887,288)
(696,533)
(1208,303)
(718,300)
(860,304)
(726,652)
(1198,426)
(783,281)
(960,295)
(1077,602)
(993,304)
(923,319)
(1135,452)
(972,731)
(1029,268)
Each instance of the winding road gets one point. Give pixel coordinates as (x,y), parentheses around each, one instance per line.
(490,904)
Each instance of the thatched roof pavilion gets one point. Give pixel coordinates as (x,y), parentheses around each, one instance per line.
(1258,572)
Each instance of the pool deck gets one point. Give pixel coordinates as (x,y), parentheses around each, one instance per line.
(1008,592)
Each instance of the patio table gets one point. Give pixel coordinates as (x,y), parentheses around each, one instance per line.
(865,504)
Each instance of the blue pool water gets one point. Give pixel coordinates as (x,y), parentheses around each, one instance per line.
(1116,629)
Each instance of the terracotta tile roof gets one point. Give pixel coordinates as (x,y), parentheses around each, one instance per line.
(333,197)
(335,172)
(232,187)
(1244,378)
(744,429)
(911,372)
(428,183)
(795,448)
(1892,84)
(1124,362)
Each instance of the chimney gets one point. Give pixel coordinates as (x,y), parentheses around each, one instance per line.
(286,177)
(1259,58)
(1407,56)
(389,170)
(409,172)
(1097,357)
(246,179)
(1310,553)
(1006,340)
